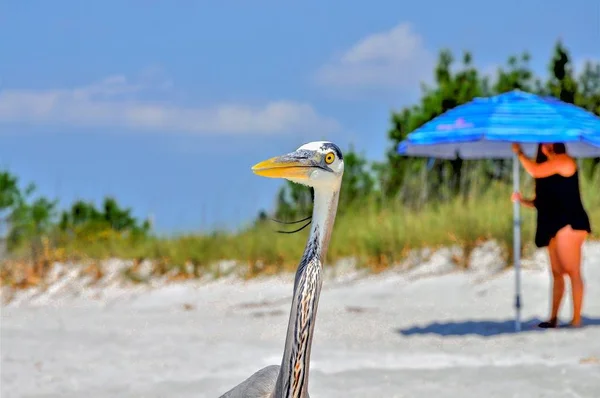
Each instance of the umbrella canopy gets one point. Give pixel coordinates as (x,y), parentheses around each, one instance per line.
(486,127)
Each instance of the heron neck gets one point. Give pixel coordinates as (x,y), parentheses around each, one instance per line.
(323,218)
(293,374)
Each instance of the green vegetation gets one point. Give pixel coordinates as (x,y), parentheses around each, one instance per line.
(385,208)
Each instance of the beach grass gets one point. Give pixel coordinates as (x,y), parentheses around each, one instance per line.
(377,235)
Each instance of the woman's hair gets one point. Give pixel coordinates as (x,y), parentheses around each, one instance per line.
(540,157)
(557,147)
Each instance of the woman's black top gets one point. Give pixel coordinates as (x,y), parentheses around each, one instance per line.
(558,203)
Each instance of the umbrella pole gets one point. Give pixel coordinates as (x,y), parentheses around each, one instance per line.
(517,244)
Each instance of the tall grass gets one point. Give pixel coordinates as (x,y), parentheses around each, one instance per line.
(376,234)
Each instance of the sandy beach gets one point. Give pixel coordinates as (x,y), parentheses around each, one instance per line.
(431,331)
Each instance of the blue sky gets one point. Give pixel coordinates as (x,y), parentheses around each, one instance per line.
(167,105)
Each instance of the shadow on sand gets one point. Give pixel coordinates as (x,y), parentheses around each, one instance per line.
(485,328)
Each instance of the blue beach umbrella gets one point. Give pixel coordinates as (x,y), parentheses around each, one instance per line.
(486,127)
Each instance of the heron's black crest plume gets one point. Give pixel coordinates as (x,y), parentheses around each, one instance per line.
(309,218)
(292,222)
(296,230)
(312,198)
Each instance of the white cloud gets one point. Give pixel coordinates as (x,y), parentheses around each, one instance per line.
(115,102)
(393,59)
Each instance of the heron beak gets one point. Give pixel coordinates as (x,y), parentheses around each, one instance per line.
(292,165)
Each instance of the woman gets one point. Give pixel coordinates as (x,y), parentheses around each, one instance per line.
(562,222)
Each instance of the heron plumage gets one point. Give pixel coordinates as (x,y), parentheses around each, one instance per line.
(322,169)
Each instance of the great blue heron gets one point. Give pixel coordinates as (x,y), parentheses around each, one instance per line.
(319,165)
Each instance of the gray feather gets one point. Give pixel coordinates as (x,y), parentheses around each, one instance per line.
(260,385)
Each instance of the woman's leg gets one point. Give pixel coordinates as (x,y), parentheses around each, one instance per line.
(568,244)
(558,281)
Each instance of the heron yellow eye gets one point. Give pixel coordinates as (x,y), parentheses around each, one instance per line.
(329,158)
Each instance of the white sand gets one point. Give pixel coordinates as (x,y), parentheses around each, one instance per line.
(396,334)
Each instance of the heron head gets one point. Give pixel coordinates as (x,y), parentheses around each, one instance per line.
(315,164)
